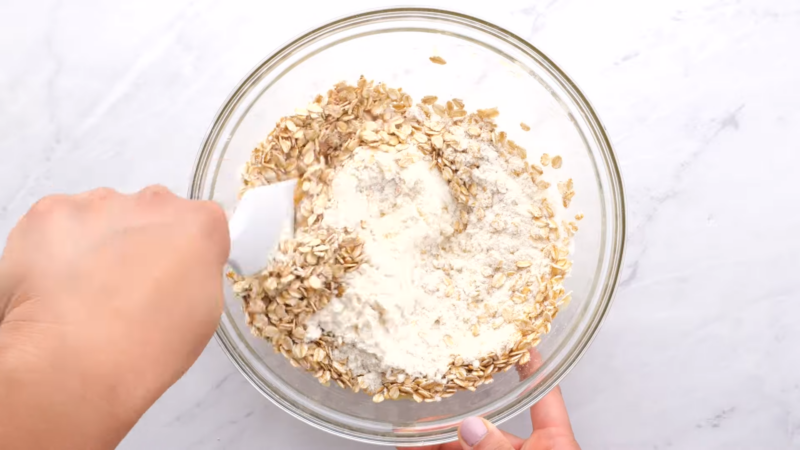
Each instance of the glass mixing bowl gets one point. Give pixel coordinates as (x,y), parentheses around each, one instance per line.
(486,67)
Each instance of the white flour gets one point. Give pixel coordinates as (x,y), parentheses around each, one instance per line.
(401,311)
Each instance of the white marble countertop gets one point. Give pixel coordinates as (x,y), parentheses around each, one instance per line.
(700,98)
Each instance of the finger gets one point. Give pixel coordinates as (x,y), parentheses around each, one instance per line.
(479,434)
(516,443)
(551,413)
(156,202)
(56,208)
(155,191)
(514,440)
(97,195)
(447,446)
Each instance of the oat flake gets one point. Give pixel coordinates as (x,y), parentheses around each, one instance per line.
(428,255)
(421,295)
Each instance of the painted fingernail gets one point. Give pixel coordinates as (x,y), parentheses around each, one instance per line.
(473,430)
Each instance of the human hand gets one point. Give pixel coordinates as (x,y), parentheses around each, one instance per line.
(105,301)
(551,431)
(549,418)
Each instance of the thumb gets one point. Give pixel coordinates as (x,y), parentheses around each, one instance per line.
(479,434)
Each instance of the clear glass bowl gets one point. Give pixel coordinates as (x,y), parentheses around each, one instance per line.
(486,67)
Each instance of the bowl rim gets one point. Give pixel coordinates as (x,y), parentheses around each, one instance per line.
(596,128)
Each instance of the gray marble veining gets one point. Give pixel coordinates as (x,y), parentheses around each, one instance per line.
(699,97)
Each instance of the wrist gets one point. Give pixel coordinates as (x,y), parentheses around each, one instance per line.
(51,398)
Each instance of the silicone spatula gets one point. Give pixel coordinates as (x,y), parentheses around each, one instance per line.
(264,215)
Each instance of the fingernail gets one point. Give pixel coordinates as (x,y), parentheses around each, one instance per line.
(473,430)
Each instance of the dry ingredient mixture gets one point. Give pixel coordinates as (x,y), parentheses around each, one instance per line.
(429,254)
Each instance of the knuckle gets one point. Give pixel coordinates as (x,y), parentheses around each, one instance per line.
(156,191)
(156,197)
(102,193)
(49,205)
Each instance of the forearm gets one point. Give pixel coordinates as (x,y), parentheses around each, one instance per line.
(50,400)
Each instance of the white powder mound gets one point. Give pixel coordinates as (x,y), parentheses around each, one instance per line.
(425,294)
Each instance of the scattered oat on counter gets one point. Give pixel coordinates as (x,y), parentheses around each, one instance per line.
(438,60)
(524,126)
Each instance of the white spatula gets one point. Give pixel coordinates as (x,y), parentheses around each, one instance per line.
(263,216)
